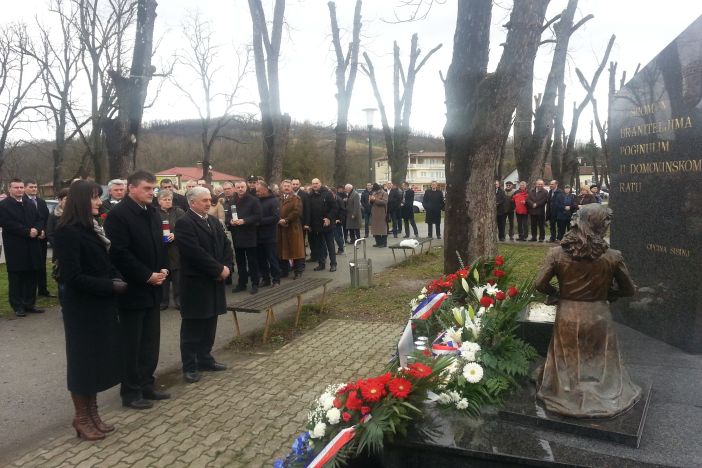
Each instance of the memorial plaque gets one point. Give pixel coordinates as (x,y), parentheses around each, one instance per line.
(655,143)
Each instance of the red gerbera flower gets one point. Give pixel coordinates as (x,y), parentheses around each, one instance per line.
(499,260)
(419,370)
(512,291)
(353,402)
(373,390)
(400,388)
(365,410)
(500,296)
(346,416)
(499,273)
(385,378)
(486,301)
(463,273)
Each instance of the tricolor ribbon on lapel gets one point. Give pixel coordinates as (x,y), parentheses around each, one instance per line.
(428,306)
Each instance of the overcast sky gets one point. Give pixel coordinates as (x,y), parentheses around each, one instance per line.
(642,27)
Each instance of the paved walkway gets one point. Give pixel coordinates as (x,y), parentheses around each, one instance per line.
(246,416)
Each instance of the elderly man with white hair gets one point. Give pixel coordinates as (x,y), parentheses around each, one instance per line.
(116,190)
(205,256)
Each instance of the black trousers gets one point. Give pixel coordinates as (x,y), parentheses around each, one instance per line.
(172,282)
(410,220)
(298,266)
(366,221)
(538,221)
(523,226)
(552,228)
(41,273)
(339,236)
(396,218)
(322,244)
(563,226)
(510,221)
(354,234)
(140,334)
(197,337)
(501,218)
(438,229)
(247,265)
(22,289)
(268,263)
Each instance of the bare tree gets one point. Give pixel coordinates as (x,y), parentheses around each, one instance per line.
(531,154)
(102,26)
(200,60)
(59,62)
(344,87)
(397,136)
(266,48)
(122,131)
(479,115)
(18,77)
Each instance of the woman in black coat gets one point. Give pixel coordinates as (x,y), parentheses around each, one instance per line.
(433,202)
(89,307)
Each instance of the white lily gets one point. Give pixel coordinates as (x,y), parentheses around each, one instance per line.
(459,314)
(491,289)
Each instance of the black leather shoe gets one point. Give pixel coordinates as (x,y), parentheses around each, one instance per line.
(405,237)
(239,288)
(320,267)
(20,313)
(214,367)
(191,377)
(34,310)
(265,283)
(156,395)
(332,268)
(139,404)
(254,289)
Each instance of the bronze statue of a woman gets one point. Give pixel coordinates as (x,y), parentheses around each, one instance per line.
(584,374)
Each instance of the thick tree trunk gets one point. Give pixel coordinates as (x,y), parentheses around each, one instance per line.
(558,131)
(479,115)
(522,128)
(122,133)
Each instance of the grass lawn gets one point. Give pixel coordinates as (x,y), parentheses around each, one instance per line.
(388,299)
(42,302)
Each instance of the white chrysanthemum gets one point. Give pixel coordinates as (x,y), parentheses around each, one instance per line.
(444,398)
(326,400)
(462,403)
(469,350)
(424,290)
(421,297)
(473,372)
(333,416)
(455,396)
(318,431)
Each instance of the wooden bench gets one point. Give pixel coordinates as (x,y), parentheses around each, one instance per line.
(404,249)
(267,298)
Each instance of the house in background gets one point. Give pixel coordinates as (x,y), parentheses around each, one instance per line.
(422,168)
(585,176)
(181,175)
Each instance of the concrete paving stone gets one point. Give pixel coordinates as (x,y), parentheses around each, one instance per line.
(114,458)
(89,463)
(167,459)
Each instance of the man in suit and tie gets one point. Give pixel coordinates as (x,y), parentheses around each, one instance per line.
(22,230)
(205,256)
(30,196)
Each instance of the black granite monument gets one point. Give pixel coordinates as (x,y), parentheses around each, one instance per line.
(655,144)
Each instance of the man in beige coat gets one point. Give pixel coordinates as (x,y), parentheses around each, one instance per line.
(291,244)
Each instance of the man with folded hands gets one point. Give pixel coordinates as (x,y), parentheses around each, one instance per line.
(205,256)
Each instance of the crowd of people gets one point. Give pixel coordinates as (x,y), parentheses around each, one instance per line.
(120,258)
(533,208)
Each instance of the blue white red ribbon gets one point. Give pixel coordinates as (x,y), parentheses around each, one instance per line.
(428,306)
(441,346)
(332,448)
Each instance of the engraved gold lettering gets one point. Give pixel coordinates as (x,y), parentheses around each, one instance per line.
(662,146)
(671,167)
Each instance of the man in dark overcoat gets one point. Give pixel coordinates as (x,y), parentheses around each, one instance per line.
(205,256)
(366,207)
(407,209)
(321,225)
(139,254)
(433,202)
(536,204)
(267,235)
(243,229)
(21,233)
(395,209)
(554,193)
(30,196)
(500,201)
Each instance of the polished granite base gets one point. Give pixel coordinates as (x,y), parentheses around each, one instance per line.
(524,408)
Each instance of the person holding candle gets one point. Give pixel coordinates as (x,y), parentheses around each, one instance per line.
(169,216)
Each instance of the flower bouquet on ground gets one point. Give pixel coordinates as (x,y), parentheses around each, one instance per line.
(475,324)
(352,419)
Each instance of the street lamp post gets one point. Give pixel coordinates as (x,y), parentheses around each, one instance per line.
(369,121)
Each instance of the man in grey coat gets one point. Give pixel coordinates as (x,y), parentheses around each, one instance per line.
(353,213)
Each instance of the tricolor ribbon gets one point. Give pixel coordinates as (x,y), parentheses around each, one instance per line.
(428,306)
(332,448)
(440,347)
